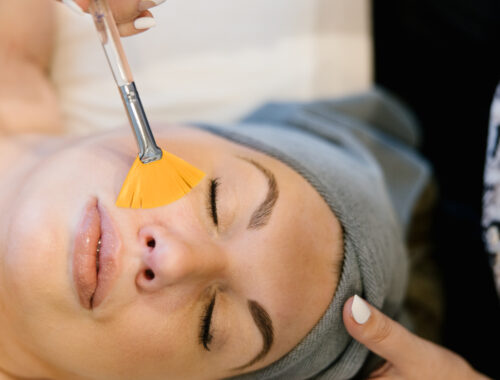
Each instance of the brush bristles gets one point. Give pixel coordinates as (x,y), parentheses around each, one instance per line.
(158,183)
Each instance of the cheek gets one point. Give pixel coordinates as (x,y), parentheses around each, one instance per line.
(41,223)
(69,178)
(146,342)
(40,226)
(36,259)
(138,343)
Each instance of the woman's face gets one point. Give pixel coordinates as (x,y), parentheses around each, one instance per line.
(226,280)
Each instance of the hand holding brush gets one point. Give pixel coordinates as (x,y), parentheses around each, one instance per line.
(157,177)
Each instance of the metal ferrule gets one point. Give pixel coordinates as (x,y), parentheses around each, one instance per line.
(148,150)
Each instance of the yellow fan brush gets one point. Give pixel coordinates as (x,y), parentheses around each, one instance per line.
(157,177)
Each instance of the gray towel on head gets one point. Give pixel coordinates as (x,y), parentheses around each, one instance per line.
(340,155)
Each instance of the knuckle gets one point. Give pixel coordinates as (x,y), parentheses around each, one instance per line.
(381,332)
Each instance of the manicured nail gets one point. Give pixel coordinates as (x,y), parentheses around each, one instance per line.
(144,23)
(147,4)
(360,310)
(73,6)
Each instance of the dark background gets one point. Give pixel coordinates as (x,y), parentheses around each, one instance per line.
(442,57)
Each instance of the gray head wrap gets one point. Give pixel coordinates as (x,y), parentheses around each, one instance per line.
(336,154)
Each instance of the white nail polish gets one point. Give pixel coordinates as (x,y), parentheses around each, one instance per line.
(73,6)
(158,2)
(144,23)
(360,311)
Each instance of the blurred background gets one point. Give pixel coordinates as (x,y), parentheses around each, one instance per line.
(442,57)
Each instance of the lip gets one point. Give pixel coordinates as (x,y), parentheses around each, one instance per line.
(94,285)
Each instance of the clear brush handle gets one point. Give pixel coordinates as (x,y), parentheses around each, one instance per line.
(110,40)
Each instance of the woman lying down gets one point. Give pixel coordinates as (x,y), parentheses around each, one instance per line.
(245,277)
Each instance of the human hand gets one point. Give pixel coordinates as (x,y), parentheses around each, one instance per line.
(131,16)
(408,356)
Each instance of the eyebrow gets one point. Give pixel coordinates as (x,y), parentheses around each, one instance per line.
(265,326)
(262,214)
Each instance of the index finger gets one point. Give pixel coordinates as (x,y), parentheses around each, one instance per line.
(382,335)
(124,11)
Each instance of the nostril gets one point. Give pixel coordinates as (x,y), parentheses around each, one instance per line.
(149,274)
(151,242)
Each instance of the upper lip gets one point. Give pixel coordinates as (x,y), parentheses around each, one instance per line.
(94,273)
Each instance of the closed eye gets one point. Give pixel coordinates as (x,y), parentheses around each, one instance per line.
(205,336)
(214,184)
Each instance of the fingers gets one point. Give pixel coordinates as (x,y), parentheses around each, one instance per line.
(381,334)
(131,16)
(142,23)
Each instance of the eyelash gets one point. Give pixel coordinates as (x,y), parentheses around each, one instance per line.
(206,320)
(205,337)
(214,184)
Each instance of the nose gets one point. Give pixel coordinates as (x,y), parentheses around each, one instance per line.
(171,258)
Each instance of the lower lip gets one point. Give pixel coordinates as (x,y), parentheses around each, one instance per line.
(92,286)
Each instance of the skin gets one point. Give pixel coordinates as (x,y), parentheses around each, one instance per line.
(149,329)
(28,103)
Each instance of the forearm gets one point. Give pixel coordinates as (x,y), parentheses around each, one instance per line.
(28,102)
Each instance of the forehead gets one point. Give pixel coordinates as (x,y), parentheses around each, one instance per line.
(302,250)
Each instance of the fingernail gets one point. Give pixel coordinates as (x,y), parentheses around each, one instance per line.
(144,23)
(360,310)
(147,4)
(74,6)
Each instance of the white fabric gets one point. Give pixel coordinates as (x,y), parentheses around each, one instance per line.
(215,60)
